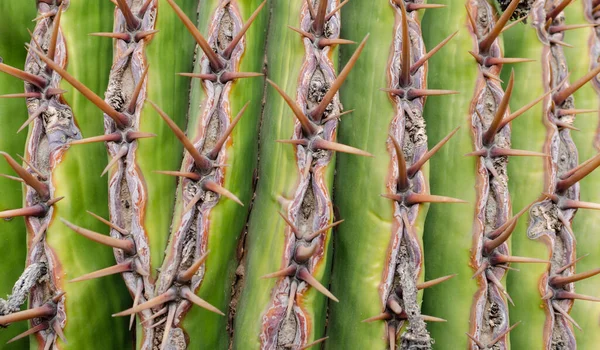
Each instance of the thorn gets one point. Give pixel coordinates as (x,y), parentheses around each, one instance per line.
(563,294)
(297,142)
(492,278)
(136,92)
(167,296)
(40,187)
(523,109)
(331,42)
(55,91)
(486,43)
(318,24)
(514,23)
(120,119)
(415,67)
(293,227)
(168,325)
(477,342)
(40,327)
(578,173)
(41,109)
(304,252)
(218,189)
(133,23)
(120,36)
(144,8)
(229,50)
(119,268)
(190,296)
(559,281)
(291,298)
(44,311)
(136,300)
(154,325)
(571,264)
(37,210)
(402,184)
(434,282)
(308,35)
(122,153)
(501,259)
(58,330)
(493,61)
(229,76)
(560,43)
(417,198)
(415,7)
(221,141)
(413,169)
(313,235)
(308,278)
(557,10)
(193,202)
(317,113)
(28,77)
(563,28)
(201,161)
(562,95)
(428,318)
(54,35)
(215,62)
(155,315)
(481,269)
(336,9)
(320,143)
(187,175)
(307,126)
(490,133)
(509,224)
(135,135)
(565,315)
(392,329)
(563,112)
(212,77)
(318,341)
(411,94)
(187,275)
(114,137)
(143,35)
(288,271)
(23,95)
(14,178)
(336,116)
(472,21)
(393,304)
(124,244)
(382,316)
(502,335)
(311,10)
(405,54)
(489,75)
(573,204)
(507,152)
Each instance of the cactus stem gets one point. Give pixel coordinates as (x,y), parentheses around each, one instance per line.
(23,95)
(143,35)
(187,275)
(216,188)
(167,296)
(492,278)
(558,9)
(111,270)
(571,264)
(221,141)
(136,92)
(578,174)
(308,278)
(502,335)
(28,77)
(41,109)
(406,56)
(47,310)
(475,340)
(124,244)
(434,282)
(136,300)
(308,127)
(317,113)
(215,62)
(318,341)
(291,298)
(55,29)
(40,187)
(559,281)
(490,133)
(133,23)
(402,183)
(114,137)
(40,327)
(188,175)
(288,271)
(168,325)
(561,96)
(122,153)
(415,67)
(413,169)
(210,76)
(565,314)
(313,235)
(318,25)
(336,9)
(486,43)
(200,160)
(319,143)
(190,296)
(382,316)
(229,76)
(229,50)
(563,294)
(121,36)
(119,118)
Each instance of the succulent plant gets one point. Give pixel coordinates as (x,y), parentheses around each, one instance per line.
(299,174)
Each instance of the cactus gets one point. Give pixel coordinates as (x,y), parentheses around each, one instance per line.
(298,174)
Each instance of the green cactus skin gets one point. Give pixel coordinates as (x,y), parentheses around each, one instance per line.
(452,175)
